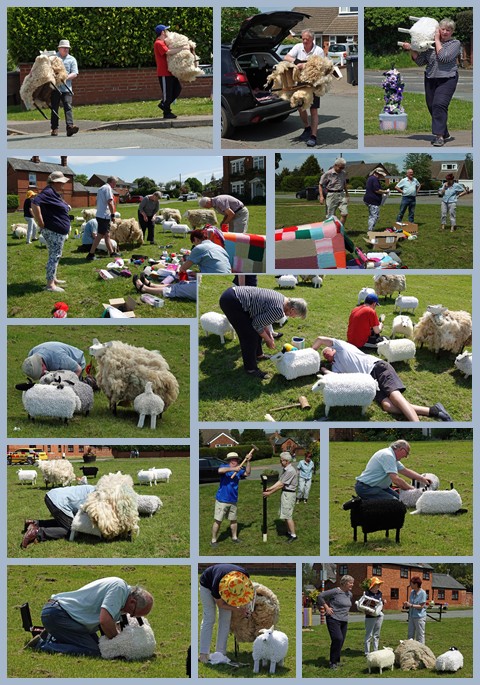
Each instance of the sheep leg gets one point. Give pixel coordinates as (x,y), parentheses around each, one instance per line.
(141,420)
(386,533)
(222,339)
(153,421)
(355,533)
(256,666)
(364,538)
(397,535)
(380,669)
(272,667)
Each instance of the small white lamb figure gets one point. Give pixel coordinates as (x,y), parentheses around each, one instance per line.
(146,477)
(317,281)
(19,230)
(422,33)
(212,322)
(396,350)
(451,660)
(346,390)
(287,281)
(463,362)
(406,302)
(438,502)
(134,642)
(402,326)
(148,505)
(161,475)
(148,404)
(363,294)
(27,476)
(381,658)
(297,363)
(270,646)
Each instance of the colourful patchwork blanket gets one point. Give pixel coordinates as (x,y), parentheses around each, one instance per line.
(246,251)
(311,246)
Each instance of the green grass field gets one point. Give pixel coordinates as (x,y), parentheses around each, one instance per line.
(433,249)
(240,397)
(438,535)
(85,292)
(284,588)
(164,535)
(169,585)
(439,637)
(250,508)
(460,113)
(171,341)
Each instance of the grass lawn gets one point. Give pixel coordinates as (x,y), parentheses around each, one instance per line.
(171,341)
(401,59)
(250,507)
(169,585)
(85,292)
(241,397)
(284,588)
(439,637)
(166,534)
(440,535)
(119,111)
(460,113)
(433,249)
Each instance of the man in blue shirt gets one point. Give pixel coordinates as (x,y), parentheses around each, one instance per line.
(227,495)
(53,356)
(65,96)
(409,187)
(305,471)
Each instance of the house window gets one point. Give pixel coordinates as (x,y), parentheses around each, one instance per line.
(426,575)
(81,449)
(455,594)
(257,188)
(394,593)
(70,449)
(237,166)
(403,572)
(377,570)
(348,10)
(441,594)
(343,570)
(237,188)
(49,448)
(32,180)
(449,166)
(259,163)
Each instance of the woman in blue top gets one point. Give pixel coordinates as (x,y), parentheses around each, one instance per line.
(373,624)
(210,258)
(450,192)
(417,612)
(50,212)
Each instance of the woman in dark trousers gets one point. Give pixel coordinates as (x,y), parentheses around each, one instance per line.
(147,211)
(337,603)
(441,77)
(252,311)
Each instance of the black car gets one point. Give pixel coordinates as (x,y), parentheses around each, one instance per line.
(246,63)
(310,193)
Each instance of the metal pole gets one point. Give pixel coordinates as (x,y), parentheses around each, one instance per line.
(264,523)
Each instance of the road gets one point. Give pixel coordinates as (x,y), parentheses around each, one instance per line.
(466,200)
(413,79)
(400,616)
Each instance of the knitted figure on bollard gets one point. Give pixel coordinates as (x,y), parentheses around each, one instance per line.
(393,115)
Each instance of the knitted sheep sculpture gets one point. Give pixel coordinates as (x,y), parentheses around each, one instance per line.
(386,285)
(70,380)
(300,86)
(112,506)
(450,660)
(442,329)
(134,643)
(123,370)
(57,472)
(46,74)
(422,33)
(148,404)
(265,612)
(411,655)
(126,232)
(184,64)
(199,217)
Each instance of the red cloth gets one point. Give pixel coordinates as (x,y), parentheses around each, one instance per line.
(160,51)
(360,324)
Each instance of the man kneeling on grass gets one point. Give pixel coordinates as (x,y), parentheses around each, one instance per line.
(346,358)
(287,483)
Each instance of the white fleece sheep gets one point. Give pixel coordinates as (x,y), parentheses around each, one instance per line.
(385,285)
(184,64)
(126,232)
(297,363)
(27,476)
(19,230)
(161,475)
(145,476)
(212,322)
(346,390)
(69,379)
(270,646)
(403,326)
(57,472)
(168,213)
(287,281)
(463,362)
(317,281)
(396,350)
(148,404)
(406,303)
(438,502)
(442,329)
(51,401)
(411,497)
(148,505)
(112,506)
(180,229)
(46,73)
(381,658)
(422,33)
(134,643)
(451,660)
(199,217)
(434,482)
(123,370)
(362,294)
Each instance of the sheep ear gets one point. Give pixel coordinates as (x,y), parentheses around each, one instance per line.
(25,386)
(96,341)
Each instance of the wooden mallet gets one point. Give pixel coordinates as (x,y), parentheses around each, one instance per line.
(243,462)
(302,403)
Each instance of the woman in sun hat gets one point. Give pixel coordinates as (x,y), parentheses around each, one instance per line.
(373,624)
(28,216)
(374,195)
(229,588)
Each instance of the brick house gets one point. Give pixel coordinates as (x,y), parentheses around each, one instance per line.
(280,444)
(214,438)
(330,24)
(244,177)
(98,180)
(71,451)
(456,167)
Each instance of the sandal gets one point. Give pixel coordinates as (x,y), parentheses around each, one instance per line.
(258,374)
(264,357)
(136,281)
(145,280)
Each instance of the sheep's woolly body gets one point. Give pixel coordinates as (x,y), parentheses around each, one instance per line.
(464,363)
(169,213)
(161,475)
(271,646)
(381,658)
(315,79)
(126,232)
(112,506)
(123,370)
(133,643)
(19,230)
(451,660)
(297,363)
(184,64)
(148,404)
(438,502)
(403,326)
(265,613)
(287,281)
(442,329)
(212,322)
(346,390)
(50,401)
(148,505)
(70,380)
(27,476)
(396,350)
(386,285)
(199,217)
(36,88)
(57,472)
(411,655)
(376,514)
(406,302)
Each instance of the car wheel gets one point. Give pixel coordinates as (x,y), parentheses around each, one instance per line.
(227,128)
(30,461)
(9,462)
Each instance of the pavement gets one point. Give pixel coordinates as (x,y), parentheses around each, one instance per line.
(400,616)
(184,132)
(394,140)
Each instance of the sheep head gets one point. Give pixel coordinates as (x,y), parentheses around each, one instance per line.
(351,503)
(98,348)
(320,384)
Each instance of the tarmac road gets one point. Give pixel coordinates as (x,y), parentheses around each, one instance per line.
(413,79)
(400,616)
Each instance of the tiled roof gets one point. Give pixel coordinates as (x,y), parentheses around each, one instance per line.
(42,167)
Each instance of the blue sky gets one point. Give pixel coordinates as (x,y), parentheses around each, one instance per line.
(292,160)
(161,168)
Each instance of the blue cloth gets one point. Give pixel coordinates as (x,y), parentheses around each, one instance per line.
(379,466)
(91,228)
(212,576)
(84,605)
(66,636)
(58,355)
(211,258)
(70,499)
(371,197)
(418,598)
(104,194)
(374,492)
(452,192)
(71,67)
(305,470)
(409,188)
(54,210)
(228,488)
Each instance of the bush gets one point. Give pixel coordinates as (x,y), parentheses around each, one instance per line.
(264,451)
(292,183)
(311,181)
(357,182)
(12,203)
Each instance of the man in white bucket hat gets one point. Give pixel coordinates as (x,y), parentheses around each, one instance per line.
(65,96)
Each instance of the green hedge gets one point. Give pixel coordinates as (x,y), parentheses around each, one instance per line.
(12,203)
(264,451)
(104,37)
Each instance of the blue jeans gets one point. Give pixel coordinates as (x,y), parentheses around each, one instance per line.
(407,202)
(374,492)
(66,636)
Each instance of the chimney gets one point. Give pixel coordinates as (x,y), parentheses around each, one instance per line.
(35,159)
(63,160)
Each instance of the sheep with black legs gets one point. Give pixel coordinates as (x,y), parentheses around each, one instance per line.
(134,642)
(70,379)
(372,515)
(52,401)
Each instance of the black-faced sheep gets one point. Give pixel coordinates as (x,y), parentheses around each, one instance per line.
(70,380)
(442,329)
(376,514)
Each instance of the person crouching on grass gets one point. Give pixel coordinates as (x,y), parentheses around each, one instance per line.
(227,495)
(287,483)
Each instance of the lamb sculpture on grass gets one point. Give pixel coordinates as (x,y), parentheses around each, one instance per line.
(297,363)
(346,390)
(70,379)
(422,33)
(386,285)
(381,658)
(463,363)
(450,660)
(270,646)
(52,401)
(27,476)
(376,514)
(438,502)
(148,404)
(213,322)
(135,642)
(396,350)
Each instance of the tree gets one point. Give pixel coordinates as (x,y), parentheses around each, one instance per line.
(461,572)
(464,26)
(81,178)
(469,164)
(195,185)
(392,169)
(145,185)
(235,433)
(278,159)
(252,435)
(232,17)
(421,163)
(310,167)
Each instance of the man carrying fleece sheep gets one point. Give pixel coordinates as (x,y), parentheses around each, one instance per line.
(227,494)
(52,356)
(170,85)
(383,469)
(346,358)
(72,619)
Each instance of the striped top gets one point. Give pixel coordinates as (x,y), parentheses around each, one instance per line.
(441,64)
(263,306)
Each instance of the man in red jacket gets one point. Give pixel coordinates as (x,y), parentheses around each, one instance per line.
(170,85)
(364,326)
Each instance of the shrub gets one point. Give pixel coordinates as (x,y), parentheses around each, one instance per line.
(12,203)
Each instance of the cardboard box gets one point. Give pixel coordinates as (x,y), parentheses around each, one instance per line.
(125,305)
(383,240)
(406,226)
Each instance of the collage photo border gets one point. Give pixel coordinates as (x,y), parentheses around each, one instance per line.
(193,441)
